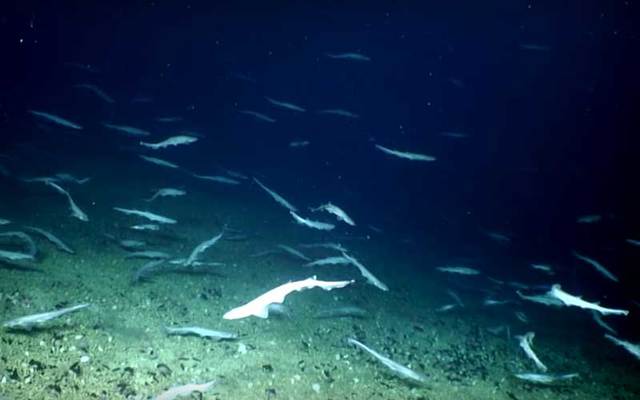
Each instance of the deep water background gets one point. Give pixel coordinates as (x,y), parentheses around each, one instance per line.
(553,133)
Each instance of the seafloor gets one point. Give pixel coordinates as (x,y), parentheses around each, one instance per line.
(299,357)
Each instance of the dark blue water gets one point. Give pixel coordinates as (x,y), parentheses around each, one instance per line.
(541,98)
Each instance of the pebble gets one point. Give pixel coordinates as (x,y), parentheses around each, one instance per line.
(84,359)
(316,388)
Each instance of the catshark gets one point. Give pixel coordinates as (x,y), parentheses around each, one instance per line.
(400,370)
(146,214)
(405,154)
(30,321)
(323,226)
(526,341)
(56,119)
(172,141)
(279,199)
(335,210)
(259,306)
(284,104)
(202,332)
(570,300)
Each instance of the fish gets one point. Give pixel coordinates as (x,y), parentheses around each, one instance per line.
(145,272)
(299,143)
(335,210)
(95,90)
(279,199)
(184,390)
(630,347)
(589,219)
(498,237)
(168,119)
(454,135)
(323,226)
(328,261)
(259,307)
(36,320)
(545,299)
(459,270)
(599,267)
(258,115)
(4,221)
(598,318)
(149,254)
(129,130)
(202,332)
(341,312)
(15,256)
(158,161)
(217,179)
(446,307)
(542,267)
(370,278)
(76,212)
(167,192)
(406,155)
(329,245)
(398,369)
(545,378)
(570,300)
(55,119)
(172,141)
(145,227)
(348,56)
(146,214)
(293,252)
(522,317)
(284,104)
(339,112)
(526,341)
(65,177)
(633,242)
(535,47)
(199,249)
(455,297)
(52,238)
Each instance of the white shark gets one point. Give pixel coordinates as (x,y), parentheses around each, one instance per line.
(259,306)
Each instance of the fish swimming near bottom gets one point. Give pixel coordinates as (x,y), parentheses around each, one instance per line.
(526,341)
(184,390)
(202,332)
(323,226)
(571,300)
(545,378)
(172,141)
(399,369)
(36,320)
(632,348)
